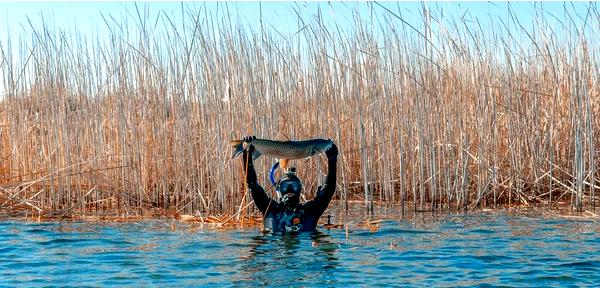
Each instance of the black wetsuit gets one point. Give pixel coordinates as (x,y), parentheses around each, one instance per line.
(279,218)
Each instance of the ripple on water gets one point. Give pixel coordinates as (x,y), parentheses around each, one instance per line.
(38,231)
(469,250)
(63,242)
(581,265)
(4,250)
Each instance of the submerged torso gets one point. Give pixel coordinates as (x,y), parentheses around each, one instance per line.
(281,219)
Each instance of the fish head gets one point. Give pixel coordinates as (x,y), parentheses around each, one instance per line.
(321,145)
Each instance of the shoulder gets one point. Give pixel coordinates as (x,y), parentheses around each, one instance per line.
(274,207)
(309,206)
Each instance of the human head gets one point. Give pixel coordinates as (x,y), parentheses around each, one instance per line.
(289,187)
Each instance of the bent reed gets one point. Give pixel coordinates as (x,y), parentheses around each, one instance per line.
(441,114)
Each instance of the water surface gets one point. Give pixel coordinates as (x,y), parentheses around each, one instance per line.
(446,251)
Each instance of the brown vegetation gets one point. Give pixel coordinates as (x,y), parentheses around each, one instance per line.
(445,114)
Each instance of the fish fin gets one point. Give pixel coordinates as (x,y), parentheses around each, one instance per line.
(238,147)
(283,164)
(314,151)
(256,154)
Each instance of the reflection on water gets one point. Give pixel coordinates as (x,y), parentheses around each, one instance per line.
(280,260)
(447,250)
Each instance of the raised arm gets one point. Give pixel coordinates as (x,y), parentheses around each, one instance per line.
(261,199)
(325,194)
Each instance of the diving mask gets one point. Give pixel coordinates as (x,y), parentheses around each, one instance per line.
(290,187)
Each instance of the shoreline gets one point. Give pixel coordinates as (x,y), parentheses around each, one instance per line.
(354,215)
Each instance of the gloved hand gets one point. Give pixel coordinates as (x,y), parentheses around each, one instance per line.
(249,147)
(248,166)
(332,152)
(247,152)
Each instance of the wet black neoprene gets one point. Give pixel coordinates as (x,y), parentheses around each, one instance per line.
(278,217)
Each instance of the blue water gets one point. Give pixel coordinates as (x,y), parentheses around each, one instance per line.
(448,251)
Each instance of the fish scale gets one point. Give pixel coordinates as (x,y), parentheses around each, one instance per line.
(283,150)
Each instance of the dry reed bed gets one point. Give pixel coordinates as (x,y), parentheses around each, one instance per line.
(442,114)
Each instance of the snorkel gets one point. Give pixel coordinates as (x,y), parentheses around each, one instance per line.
(272,179)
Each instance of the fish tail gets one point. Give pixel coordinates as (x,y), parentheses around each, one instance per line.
(238,147)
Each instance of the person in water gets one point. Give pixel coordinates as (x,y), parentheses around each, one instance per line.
(289,215)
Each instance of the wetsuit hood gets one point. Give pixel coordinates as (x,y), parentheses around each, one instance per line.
(289,187)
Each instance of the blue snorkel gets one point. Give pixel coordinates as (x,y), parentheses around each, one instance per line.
(272,173)
(272,178)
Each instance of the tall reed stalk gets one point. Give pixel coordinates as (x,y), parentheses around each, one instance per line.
(443,114)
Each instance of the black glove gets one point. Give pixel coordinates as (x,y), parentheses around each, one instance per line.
(332,152)
(249,139)
(248,151)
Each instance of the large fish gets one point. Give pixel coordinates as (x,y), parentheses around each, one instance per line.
(283,150)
